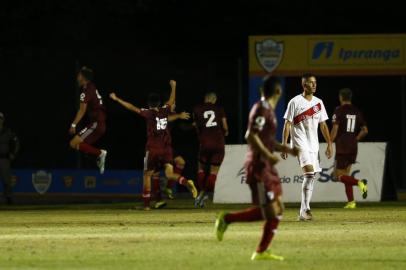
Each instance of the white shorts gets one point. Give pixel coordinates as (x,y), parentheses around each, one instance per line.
(310,158)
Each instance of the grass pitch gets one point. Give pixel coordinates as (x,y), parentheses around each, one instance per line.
(117,237)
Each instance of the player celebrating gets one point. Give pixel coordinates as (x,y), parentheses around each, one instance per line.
(348,128)
(262,176)
(302,117)
(211,125)
(158,149)
(91,103)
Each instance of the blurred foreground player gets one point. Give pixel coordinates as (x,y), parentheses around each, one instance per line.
(262,176)
(158,149)
(9,146)
(211,125)
(91,103)
(348,129)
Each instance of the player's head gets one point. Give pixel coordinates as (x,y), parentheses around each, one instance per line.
(85,75)
(154,100)
(345,95)
(210,97)
(271,87)
(309,83)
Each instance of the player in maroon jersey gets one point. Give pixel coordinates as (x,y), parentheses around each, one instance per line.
(91,103)
(262,176)
(211,124)
(349,127)
(158,149)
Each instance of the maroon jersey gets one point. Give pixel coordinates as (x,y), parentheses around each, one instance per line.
(158,134)
(349,120)
(262,120)
(95,109)
(209,122)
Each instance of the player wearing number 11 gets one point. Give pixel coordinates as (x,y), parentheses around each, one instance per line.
(349,127)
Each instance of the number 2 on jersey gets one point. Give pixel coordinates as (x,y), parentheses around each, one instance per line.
(351,122)
(211,115)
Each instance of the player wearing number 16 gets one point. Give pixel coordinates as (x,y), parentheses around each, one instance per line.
(159,143)
(211,125)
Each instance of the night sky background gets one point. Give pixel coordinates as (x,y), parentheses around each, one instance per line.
(136,47)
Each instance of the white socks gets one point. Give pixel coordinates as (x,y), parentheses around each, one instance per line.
(307,191)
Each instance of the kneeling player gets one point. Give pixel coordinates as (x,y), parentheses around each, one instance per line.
(349,127)
(262,176)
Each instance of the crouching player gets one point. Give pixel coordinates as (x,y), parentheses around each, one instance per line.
(262,176)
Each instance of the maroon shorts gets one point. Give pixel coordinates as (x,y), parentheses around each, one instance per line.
(211,156)
(156,158)
(345,160)
(92,132)
(264,183)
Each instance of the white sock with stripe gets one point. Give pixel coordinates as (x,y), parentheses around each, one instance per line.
(307,191)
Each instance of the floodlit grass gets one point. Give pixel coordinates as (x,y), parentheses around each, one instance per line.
(117,237)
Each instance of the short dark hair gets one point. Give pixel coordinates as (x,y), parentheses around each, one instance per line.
(154,100)
(346,94)
(269,86)
(87,73)
(308,75)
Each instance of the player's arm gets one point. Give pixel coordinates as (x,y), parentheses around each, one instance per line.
(125,104)
(259,147)
(326,135)
(79,115)
(362,133)
(225,126)
(283,148)
(172,97)
(177,116)
(285,135)
(333,133)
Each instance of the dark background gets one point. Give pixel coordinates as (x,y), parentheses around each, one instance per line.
(136,46)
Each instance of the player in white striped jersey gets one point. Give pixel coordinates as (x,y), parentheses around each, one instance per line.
(304,114)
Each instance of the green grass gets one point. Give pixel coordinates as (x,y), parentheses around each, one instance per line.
(114,237)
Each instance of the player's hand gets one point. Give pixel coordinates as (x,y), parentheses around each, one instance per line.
(172,83)
(329,152)
(273,159)
(184,115)
(72,131)
(113,96)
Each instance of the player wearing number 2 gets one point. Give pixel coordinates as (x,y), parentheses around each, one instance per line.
(211,124)
(349,127)
(91,103)
(159,144)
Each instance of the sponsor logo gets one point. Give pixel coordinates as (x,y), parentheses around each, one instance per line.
(323,49)
(242,175)
(269,54)
(41,180)
(68,181)
(90,182)
(111,182)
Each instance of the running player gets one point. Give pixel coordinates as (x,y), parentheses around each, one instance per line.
(211,124)
(349,128)
(262,176)
(302,117)
(158,149)
(91,103)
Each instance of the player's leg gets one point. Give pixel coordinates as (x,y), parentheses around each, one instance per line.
(6,177)
(172,176)
(179,166)
(208,190)
(159,203)
(84,140)
(146,189)
(202,168)
(307,191)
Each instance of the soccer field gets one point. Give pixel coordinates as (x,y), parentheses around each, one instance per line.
(180,237)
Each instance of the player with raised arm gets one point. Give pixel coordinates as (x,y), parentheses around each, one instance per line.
(262,177)
(211,125)
(302,118)
(349,127)
(158,148)
(91,103)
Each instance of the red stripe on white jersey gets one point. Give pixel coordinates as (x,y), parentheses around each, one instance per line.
(307,114)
